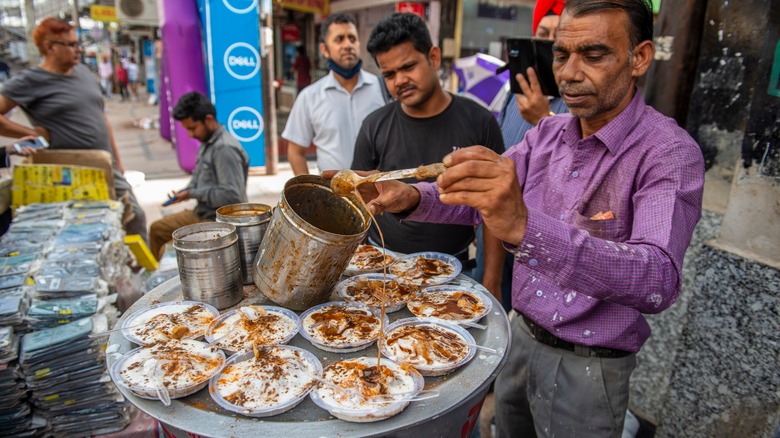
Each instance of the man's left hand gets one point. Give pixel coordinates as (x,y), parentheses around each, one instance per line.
(480,178)
(532,104)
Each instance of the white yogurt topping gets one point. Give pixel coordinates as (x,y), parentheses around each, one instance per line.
(426,346)
(277,377)
(357,393)
(410,270)
(181,363)
(160,323)
(341,325)
(236,333)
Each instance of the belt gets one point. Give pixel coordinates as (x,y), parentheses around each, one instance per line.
(547,338)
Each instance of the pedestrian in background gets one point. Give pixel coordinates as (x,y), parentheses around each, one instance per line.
(121,80)
(301,68)
(329,112)
(220,174)
(520,113)
(64,103)
(5,71)
(132,77)
(105,73)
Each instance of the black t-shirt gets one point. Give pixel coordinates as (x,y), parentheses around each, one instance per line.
(391,140)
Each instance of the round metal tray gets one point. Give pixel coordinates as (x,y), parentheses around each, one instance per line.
(454,410)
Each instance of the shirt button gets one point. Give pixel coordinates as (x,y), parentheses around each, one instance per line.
(533,262)
(561,216)
(575,174)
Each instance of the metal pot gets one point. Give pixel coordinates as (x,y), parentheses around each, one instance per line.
(312,235)
(207,255)
(251,221)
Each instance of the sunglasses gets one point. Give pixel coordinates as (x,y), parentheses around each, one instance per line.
(72,44)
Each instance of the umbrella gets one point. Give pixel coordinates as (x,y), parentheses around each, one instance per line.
(478,80)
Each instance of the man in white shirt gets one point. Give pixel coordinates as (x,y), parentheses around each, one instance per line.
(329,112)
(105,72)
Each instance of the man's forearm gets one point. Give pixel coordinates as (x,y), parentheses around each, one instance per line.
(13,129)
(117,160)
(296,154)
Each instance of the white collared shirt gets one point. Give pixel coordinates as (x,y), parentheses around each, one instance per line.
(325,114)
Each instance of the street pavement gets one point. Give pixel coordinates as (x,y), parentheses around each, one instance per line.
(151,165)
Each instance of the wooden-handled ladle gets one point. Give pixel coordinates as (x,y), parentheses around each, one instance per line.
(346,181)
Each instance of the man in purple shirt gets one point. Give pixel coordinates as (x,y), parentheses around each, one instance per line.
(597,206)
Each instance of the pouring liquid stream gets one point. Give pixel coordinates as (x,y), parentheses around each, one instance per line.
(382,296)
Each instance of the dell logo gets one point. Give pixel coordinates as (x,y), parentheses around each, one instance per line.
(240,6)
(244,61)
(245,123)
(241,61)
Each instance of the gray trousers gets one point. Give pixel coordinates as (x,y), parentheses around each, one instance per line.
(138,224)
(550,392)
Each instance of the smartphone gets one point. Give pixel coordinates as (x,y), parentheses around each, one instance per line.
(39,143)
(531,52)
(172,199)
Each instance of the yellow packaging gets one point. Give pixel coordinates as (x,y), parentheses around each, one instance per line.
(56,183)
(141,252)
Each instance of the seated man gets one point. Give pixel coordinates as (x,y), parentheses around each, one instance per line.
(220,172)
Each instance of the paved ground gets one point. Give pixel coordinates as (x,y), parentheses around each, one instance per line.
(151,165)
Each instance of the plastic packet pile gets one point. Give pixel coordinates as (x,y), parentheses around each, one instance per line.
(59,266)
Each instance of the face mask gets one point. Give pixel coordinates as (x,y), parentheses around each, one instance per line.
(346,74)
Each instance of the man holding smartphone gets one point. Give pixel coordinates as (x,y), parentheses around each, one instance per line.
(24,148)
(220,174)
(64,102)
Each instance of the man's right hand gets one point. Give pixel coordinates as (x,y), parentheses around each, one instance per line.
(42,132)
(382,196)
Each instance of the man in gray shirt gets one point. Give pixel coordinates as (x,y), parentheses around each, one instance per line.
(220,173)
(63,100)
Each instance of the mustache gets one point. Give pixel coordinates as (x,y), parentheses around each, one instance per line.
(575,89)
(400,90)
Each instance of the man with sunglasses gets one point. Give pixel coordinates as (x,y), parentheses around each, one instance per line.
(64,102)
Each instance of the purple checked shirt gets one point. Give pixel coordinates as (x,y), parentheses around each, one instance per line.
(588,281)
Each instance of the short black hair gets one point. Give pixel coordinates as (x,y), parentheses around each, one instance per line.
(640,15)
(399,28)
(340,18)
(195,106)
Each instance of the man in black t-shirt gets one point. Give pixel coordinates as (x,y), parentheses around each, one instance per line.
(421,126)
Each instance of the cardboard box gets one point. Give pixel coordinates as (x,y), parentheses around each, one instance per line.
(80,157)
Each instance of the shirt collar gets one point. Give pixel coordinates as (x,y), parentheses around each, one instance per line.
(215,136)
(614,133)
(363,79)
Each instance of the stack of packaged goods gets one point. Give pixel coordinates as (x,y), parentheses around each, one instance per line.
(70,259)
(65,372)
(16,417)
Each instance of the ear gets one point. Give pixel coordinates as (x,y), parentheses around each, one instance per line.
(642,57)
(324,50)
(434,56)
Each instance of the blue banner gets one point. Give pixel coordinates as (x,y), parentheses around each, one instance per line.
(151,66)
(231,30)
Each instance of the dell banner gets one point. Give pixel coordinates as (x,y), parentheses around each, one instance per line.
(232,37)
